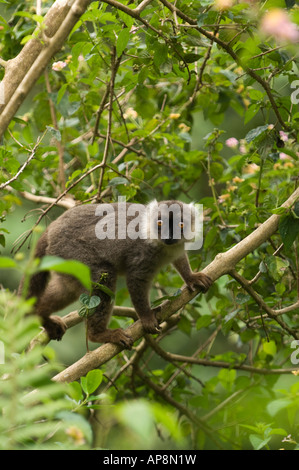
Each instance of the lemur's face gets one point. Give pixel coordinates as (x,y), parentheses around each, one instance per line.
(171,222)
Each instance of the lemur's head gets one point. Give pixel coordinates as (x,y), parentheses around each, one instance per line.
(171,222)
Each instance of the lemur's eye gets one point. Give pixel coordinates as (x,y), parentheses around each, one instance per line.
(181,224)
(159,223)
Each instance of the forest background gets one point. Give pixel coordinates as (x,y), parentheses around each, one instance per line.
(195,101)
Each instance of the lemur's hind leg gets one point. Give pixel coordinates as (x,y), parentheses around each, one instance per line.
(61,291)
(97,323)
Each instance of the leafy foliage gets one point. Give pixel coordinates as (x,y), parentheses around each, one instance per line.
(197,105)
(30,402)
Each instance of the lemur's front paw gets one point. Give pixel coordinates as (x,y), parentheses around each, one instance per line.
(117,336)
(199,280)
(55,327)
(150,324)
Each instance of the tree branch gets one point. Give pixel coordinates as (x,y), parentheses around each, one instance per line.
(171,357)
(73,319)
(22,72)
(54,203)
(65,202)
(179,406)
(114,67)
(60,149)
(262,304)
(22,168)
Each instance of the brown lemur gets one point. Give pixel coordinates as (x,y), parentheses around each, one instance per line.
(112,239)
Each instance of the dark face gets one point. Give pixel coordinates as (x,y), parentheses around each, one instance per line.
(170,228)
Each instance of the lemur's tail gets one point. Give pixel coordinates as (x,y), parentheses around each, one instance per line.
(38,281)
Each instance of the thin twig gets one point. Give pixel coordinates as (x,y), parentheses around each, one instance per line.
(179,406)
(201,348)
(96,167)
(61,175)
(114,67)
(31,156)
(262,304)
(99,112)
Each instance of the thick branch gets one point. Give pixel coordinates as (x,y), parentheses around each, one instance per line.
(73,319)
(222,264)
(66,202)
(22,72)
(16,68)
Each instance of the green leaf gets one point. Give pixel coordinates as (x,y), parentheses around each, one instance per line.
(89,303)
(262,267)
(295,211)
(252,110)
(203,322)
(160,55)
(105,289)
(56,133)
(258,442)
(242,298)
(24,14)
(276,266)
(288,229)
(73,267)
(6,262)
(256,94)
(122,41)
(138,417)
(138,173)
(84,299)
(190,58)
(228,321)
(75,391)
(93,380)
(61,93)
(270,348)
(117,181)
(83,312)
(279,210)
(278,432)
(2,240)
(276,405)
(254,133)
(127,19)
(94,301)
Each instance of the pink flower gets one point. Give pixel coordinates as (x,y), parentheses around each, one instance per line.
(232,142)
(284,156)
(283,136)
(277,23)
(57,66)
